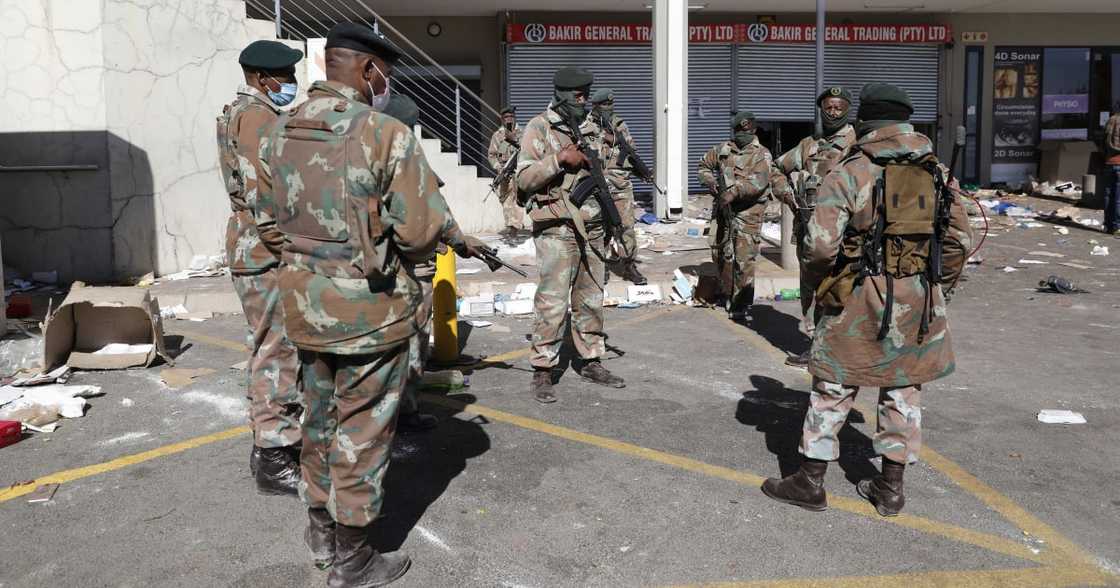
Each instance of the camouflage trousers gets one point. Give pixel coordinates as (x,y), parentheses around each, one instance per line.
(511,210)
(736,257)
(572,276)
(418,349)
(898,432)
(624,201)
(352,403)
(275,404)
(808,294)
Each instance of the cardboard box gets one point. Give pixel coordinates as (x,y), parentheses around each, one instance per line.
(1065,161)
(90,319)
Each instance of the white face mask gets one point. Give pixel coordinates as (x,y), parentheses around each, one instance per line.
(379,101)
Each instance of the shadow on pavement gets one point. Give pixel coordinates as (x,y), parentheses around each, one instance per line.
(779,329)
(422,467)
(778,412)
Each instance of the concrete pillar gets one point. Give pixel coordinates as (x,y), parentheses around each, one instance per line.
(670,60)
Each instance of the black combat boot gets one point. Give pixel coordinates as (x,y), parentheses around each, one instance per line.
(416,422)
(593,371)
(278,471)
(319,537)
(254,461)
(804,488)
(358,565)
(632,275)
(541,388)
(799,361)
(885,491)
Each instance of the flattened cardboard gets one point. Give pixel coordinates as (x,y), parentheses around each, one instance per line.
(91,318)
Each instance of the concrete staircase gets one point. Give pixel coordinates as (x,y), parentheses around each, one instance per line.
(468,194)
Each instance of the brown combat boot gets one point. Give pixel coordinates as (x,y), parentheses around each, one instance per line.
(885,491)
(541,388)
(358,565)
(319,537)
(631,274)
(593,371)
(804,488)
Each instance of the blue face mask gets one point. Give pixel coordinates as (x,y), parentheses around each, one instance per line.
(285,96)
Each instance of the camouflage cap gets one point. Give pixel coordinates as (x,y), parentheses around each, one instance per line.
(572,78)
(357,37)
(835,92)
(741,116)
(602,95)
(269,56)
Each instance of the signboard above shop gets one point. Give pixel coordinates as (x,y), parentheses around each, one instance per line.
(631,34)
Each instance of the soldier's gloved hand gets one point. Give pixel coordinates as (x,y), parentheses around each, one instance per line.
(571,158)
(471,247)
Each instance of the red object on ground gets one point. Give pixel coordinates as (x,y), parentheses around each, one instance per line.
(10,433)
(19,306)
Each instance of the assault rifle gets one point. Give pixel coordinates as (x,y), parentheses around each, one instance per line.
(492,261)
(945,198)
(595,185)
(727,220)
(803,211)
(626,152)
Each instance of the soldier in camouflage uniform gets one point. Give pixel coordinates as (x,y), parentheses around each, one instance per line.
(503,145)
(853,345)
(569,241)
(348,201)
(748,177)
(806,165)
(608,125)
(275,404)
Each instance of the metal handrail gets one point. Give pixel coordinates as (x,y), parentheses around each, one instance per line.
(50,168)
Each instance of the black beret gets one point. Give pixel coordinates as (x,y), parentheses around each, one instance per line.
(834,92)
(572,78)
(741,116)
(402,108)
(358,37)
(602,95)
(876,92)
(508,110)
(269,56)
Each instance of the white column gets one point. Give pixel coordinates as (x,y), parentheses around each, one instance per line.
(670,56)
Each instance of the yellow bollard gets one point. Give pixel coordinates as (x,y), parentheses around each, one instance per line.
(444,314)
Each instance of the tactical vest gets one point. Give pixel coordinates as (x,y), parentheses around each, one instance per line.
(227,153)
(329,205)
(910,214)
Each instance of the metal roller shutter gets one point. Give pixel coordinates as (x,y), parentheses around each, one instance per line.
(628,70)
(709,103)
(777,80)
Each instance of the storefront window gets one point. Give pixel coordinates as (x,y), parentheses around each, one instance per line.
(1065,94)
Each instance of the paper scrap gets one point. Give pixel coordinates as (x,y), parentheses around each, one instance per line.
(467,271)
(244,365)
(42,494)
(1099,250)
(1060,417)
(180,377)
(60,374)
(480,324)
(1008,269)
(124,349)
(643,294)
(1033,262)
(1046,254)
(1075,265)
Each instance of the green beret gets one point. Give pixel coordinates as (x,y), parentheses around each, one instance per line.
(602,95)
(402,108)
(351,35)
(572,78)
(507,110)
(876,92)
(269,56)
(834,92)
(741,116)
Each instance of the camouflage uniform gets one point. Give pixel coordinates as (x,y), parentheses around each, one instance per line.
(275,403)
(617,171)
(751,175)
(499,153)
(569,243)
(846,352)
(813,158)
(345,194)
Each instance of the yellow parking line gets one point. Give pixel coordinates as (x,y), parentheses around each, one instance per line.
(121,462)
(860,507)
(1045,577)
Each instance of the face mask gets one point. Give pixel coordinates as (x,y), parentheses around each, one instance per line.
(286,94)
(565,105)
(832,124)
(744,138)
(509,126)
(606,112)
(378,101)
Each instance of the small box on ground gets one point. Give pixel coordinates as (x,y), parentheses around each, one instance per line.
(104,329)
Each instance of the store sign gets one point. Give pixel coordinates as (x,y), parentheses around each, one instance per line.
(622,34)
(1016,113)
(850,33)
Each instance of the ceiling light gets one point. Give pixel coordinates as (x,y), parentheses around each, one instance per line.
(698,6)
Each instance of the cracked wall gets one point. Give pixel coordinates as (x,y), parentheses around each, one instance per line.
(133,86)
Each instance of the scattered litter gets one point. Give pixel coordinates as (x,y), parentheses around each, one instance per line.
(468,271)
(44,493)
(648,219)
(1031,225)
(1075,265)
(693,232)
(682,286)
(10,433)
(1099,250)
(1046,254)
(480,324)
(1012,210)
(630,305)
(1059,285)
(1008,269)
(772,232)
(60,375)
(445,380)
(92,319)
(643,294)
(17,355)
(127,402)
(180,377)
(169,312)
(1063,230)
(975,260)
(667,253)
(244,365)
(1060,417)
(42,406)
(1033,262)
(1089,222)
(481,305)
(123,349)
